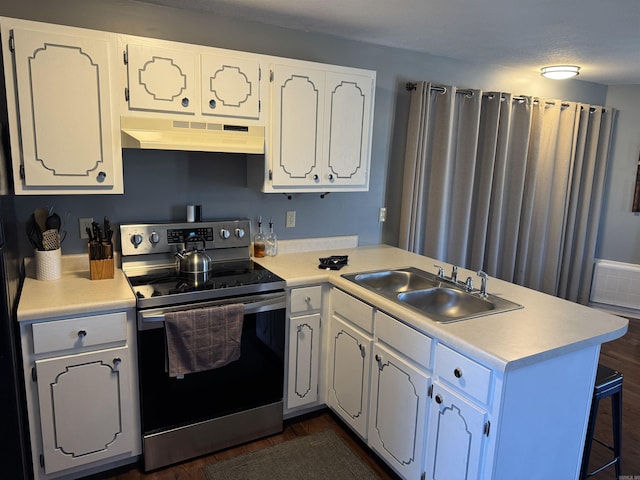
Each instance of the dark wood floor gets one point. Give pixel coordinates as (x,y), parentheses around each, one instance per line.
(311,423)
(622,354)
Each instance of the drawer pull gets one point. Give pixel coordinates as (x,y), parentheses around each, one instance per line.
(457,372)
(82,333)
(307,300)
(439,399)
(117,361)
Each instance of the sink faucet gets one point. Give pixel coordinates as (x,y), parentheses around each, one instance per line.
(468,285)
(440,271)
(454,274)
(483,285)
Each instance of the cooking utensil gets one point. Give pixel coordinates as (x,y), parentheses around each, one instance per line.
(41,214)
(50,240)
(53,222)
(34,233)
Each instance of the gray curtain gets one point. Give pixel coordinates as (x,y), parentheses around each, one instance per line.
(509,185)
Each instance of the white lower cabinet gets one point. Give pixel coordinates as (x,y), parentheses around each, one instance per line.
(457,430)
(399,401)
(304,351)
(81,385)
(85,412)
(349,357)
(304,344)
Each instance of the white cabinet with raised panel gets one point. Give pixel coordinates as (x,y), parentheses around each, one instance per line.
(63,132)
(82,393)
(173,78)
(458,424)
(322,119)
(350,345)
(305,339)
(399,399)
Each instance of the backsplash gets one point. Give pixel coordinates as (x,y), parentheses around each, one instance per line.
(159,185)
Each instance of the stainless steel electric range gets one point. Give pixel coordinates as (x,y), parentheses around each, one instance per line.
(205,411)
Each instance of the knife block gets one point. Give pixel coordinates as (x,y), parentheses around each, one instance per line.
(102,268)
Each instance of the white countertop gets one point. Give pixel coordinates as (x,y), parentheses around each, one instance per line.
(546,327)
(74,293)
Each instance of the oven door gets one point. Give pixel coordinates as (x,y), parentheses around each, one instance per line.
(206,411)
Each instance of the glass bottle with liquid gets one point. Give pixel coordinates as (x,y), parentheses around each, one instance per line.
(259,241)
(271,241)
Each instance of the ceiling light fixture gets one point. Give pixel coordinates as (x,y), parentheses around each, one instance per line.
(560,72)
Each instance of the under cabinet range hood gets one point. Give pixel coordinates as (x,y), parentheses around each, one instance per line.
(171,134)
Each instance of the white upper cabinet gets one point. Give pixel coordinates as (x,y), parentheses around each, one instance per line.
(64,136)
(201,82)
(322,118)
(161,79)
(230,86)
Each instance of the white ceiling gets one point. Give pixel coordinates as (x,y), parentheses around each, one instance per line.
(601,36)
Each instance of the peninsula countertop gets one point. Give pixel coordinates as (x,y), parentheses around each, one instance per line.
(546,327)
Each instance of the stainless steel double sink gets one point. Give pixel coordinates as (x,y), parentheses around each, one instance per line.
(439,298)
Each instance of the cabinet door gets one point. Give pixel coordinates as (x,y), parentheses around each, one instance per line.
(456,437)
(298,113)
(397,424)
(161,79)
(349,374)
(347,129)
(85,407)
(65,111)
(304,350)
(230,87)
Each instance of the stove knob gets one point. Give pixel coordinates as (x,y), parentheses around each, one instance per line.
(136,239)
(224,233)
(154,238)
(239,232)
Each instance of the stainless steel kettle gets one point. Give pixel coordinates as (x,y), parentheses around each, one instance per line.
(194,260)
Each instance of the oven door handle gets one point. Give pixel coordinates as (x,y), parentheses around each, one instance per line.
(257,305)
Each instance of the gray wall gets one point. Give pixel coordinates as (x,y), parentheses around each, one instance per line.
(158,185)
(620,227)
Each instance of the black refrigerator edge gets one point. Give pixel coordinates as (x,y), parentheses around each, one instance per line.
(15,454)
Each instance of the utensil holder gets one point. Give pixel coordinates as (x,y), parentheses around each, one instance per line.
(102,268)
(48,264)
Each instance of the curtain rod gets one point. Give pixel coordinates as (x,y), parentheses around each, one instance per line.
(442,89)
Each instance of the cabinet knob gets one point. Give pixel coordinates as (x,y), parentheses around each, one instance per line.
(307,300)
(101,177)
(212,104)
(315,177)
(82,333)
(363,351)
(439,399)
(331,177)
(117,361)
(185,102)
(457,372)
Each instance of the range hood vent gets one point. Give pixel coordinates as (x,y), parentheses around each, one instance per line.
(169,134)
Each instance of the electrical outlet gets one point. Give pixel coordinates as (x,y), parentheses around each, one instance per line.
(382,214)
(291,219)
(83,224)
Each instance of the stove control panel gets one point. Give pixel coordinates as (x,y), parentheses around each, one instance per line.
(145,239)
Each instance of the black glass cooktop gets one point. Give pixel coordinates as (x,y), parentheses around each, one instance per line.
(165,282)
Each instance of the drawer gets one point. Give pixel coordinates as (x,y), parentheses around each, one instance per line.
(463,373)
(306,300)
(406,340)
(79,332)
(352,309)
